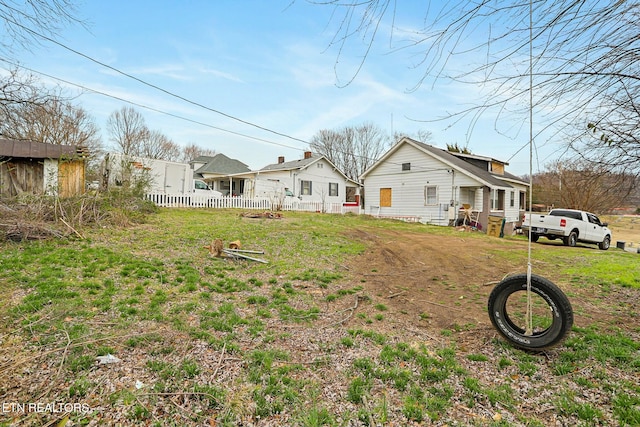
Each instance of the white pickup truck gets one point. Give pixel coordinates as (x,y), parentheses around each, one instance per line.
(570,225)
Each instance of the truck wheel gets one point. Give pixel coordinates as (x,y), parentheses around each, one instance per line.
(551,312)
(571,239)
(534,237)
(606,242)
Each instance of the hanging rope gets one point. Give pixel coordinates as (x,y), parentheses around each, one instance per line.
(529,315)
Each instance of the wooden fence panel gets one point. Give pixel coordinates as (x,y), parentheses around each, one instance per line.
(70,178)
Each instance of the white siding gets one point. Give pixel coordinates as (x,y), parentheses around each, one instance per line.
(408,186)
(479,199)
(275,181)
(512,214)
(163,176)
(272,183)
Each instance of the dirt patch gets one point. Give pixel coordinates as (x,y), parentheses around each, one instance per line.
(428,280)
(435,282)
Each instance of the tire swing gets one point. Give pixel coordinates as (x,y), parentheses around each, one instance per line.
(529,311)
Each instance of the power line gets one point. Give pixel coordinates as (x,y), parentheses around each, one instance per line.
(172,94)
(182,98)
(418,169)
(148,107)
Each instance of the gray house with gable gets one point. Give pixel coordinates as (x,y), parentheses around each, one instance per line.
(220,172)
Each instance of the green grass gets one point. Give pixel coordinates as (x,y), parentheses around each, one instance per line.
(222,339)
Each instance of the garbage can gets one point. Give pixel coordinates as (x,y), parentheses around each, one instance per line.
(496,226)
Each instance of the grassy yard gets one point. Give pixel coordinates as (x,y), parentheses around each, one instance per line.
(199,340)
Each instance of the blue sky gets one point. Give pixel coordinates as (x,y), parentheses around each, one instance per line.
(266,62)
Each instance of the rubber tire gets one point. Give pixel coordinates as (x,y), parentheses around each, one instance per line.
(571,239)
(534,237)
(555,298)
(606,243)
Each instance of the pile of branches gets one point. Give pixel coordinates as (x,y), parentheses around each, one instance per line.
(266,214)
(18,223)
(40,217)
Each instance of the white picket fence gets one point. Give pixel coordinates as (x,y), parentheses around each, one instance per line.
(253,203)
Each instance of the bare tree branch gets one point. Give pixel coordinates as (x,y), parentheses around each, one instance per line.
(585,66)
(22,22)
(351,149)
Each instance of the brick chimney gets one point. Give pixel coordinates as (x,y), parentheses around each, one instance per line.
(280,159)
(307,154)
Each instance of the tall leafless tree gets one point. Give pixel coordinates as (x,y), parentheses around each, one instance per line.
(351,149)
(157,145)
(581,59)
(193,151)
(127,130)
(130,135)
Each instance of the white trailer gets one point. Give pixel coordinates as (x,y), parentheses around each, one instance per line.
(155,176)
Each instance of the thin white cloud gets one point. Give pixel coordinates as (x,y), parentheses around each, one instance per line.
(221,74)
(171,71)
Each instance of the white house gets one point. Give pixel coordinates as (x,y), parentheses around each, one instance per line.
(312,178)
(418,180)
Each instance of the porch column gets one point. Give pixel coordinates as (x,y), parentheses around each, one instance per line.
(486,208)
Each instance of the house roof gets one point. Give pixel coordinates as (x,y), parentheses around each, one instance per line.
(476,157)
(220,165)
(302,164)
(456,162)
(39,150)
(293,164)
(201,159)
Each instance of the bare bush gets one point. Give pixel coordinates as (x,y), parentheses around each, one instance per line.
(38,217)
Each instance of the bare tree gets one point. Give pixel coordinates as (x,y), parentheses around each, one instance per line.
(351,149)
(130,135)
(193,151)
(34,113)
(582,184)
(18,89)
(28,22)
(54,121)
(421,135)
(128,131)
(157,145)
(581,59)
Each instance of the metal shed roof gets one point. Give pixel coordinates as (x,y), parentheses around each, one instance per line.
(39,150)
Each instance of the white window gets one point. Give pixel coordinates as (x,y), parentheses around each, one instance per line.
(497,200)
(333,189)
(305,188)
(512,199)
(430,195)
